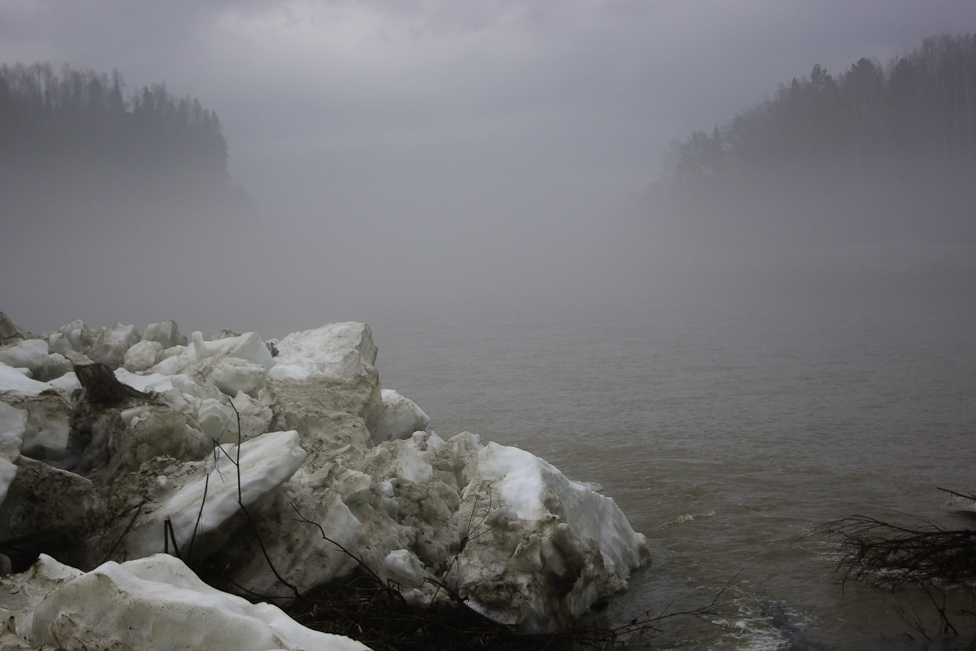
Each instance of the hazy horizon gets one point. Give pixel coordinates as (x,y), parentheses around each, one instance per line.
(423,158)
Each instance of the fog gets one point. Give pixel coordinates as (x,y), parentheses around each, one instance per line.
(422,160)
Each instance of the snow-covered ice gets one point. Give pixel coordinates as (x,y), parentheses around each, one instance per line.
(13,426)
(541,549)
(17,380)
(400,417)
(328,457)
(337,350)
(158,603)
(265,463)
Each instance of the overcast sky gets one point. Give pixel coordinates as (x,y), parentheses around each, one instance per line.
(410,149)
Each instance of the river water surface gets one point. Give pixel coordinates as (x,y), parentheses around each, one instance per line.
(727,430)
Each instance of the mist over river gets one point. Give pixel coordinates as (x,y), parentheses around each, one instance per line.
(727,428)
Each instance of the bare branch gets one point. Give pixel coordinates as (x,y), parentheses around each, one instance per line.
(879,553)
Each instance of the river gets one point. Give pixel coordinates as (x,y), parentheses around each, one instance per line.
(727,429)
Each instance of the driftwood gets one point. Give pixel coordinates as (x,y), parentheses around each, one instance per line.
(101,393)
(102,388)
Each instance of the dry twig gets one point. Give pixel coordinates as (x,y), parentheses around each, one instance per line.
(879,553)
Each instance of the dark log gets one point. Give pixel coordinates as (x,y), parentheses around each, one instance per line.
(102,388)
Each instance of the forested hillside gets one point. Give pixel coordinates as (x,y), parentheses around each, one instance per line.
(877,153)
(76,141)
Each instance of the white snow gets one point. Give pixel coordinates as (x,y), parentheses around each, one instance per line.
(110,344)
(13,427)
(66,383)
(406,568)
(158,603)
(266,462)
(157,382)
(399,418)
(77,334)
(20,594)
(205,402)
(337,350)
(247,346)
(203,355)
(166,334)
(526,482)
(288,372)
(47,427)
(142,356)
(217,420)
(233,375)
(8,471)
(30,354)
(35,359)
(152,431)
(559,545)
(14,380)
(414,464)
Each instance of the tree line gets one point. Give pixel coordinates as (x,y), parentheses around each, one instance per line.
(878,149)
(82,128)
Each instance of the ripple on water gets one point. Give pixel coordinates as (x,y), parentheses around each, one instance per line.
(726,438)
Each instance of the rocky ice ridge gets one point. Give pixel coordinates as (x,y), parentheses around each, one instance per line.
(206,446)
(149,603)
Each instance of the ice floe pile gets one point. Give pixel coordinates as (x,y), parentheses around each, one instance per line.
(128,457)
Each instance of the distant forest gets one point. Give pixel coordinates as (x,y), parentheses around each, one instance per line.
(74,139)
(877,152)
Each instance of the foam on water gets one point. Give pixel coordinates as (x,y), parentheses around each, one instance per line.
(687,517)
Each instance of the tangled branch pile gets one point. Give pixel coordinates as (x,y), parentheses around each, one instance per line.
(888,555)
(365,609)
(379,617)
